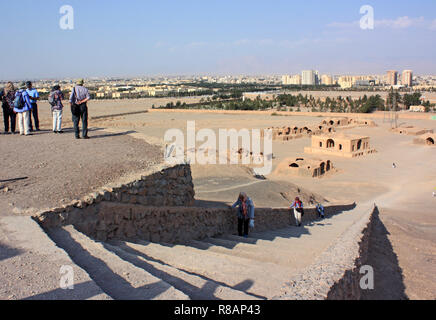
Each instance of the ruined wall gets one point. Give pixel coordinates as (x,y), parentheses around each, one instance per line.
(165,187)
(117,220)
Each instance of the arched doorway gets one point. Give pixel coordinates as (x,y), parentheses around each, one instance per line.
(330,143)
(328,167)
(359,144)
(294,165)
(322,168)
(430,141)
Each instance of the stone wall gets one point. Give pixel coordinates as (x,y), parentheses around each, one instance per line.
(107,220)
(164,187)
(375,115)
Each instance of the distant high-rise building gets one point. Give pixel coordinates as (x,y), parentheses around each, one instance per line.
(291,80)
(326,80)
(308,78)
(392,77)
(407,78)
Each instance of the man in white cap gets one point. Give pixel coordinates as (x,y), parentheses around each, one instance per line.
(79,109)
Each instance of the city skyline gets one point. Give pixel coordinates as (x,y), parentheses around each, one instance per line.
(136,39)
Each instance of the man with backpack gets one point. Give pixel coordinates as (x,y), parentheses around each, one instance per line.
(34,97)
(55,99)
(79,109)
(22,107)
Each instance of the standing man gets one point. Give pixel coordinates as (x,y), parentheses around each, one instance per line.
(34,97)
(23,107)
(79,109)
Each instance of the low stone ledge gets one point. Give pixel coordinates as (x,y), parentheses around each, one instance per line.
(336,273)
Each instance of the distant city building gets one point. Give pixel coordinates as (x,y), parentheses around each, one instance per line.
(392,77)
(291,80)
(327,80)
(309,78)
(347,82)
(407,78)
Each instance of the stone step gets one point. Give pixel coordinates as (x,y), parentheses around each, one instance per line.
(196,287)
(239,273)
(267,240)
(276,255)
(118,278)
(43,265)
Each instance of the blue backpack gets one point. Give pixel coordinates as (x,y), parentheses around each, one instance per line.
(19,101)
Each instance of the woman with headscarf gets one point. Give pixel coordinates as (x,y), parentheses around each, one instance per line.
(55,100)
(245,214)
(298,211)
(9,116)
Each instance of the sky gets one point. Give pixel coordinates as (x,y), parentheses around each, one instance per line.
(132,38)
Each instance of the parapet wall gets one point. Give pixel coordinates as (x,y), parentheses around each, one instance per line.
(121,218)
(375,115)
(164,187)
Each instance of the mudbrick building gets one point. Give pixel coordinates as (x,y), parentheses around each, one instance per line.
(341,145)
(311,168)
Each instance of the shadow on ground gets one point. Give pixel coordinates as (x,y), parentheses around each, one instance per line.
(388,276)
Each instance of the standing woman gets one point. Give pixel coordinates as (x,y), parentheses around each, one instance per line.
(8,107)
(245,214)
(55,100)
(298,211)
(23,107)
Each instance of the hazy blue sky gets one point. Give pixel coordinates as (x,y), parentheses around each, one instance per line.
(141,37)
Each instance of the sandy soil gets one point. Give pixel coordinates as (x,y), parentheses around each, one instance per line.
(46,169)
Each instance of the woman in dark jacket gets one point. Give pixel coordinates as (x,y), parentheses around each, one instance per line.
(8,107)
(245,214)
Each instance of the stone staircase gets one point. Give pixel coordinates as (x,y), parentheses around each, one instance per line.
(226,267)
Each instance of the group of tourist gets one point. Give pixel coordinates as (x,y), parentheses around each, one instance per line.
(23,103)
(246,213)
